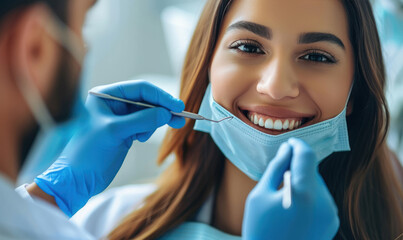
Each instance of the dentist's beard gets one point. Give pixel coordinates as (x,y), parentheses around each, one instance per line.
(64,91)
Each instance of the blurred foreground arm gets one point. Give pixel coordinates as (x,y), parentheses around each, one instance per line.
(312,214)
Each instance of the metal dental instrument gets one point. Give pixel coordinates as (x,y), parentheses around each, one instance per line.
(181,114)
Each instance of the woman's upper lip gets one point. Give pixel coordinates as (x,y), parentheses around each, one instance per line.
(275,112)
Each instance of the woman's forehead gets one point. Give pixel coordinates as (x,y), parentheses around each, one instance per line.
(291,17)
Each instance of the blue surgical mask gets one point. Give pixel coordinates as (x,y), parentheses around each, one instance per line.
(251,150)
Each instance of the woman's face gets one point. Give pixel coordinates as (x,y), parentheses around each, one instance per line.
(282,65)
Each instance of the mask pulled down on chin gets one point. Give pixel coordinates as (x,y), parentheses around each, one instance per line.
(251,150)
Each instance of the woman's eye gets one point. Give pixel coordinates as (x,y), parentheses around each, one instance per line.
(247,47)
(250,49)
(318,58)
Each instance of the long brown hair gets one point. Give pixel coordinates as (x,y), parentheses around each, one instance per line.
(362,181)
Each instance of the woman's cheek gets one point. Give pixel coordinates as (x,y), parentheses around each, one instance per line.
(228,82)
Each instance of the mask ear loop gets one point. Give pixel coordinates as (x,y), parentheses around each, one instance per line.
(66,37)
(349,94)
(34,100)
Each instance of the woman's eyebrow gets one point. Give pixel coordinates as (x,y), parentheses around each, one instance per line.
(255,28)
(312,37)
(305,38)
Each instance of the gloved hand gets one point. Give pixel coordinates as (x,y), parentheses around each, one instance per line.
(93,156)
(312,214)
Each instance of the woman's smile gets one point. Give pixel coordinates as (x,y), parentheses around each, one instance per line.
(273,120)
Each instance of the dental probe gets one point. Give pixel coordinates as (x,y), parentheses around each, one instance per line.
(181,114)
(287,190)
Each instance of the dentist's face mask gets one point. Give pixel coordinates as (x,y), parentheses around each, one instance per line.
(64,103)
(251,150)
(62,86)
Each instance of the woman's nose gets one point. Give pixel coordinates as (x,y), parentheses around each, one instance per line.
(278,81)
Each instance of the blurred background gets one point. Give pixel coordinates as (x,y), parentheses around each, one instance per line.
(140,39)
(147,39)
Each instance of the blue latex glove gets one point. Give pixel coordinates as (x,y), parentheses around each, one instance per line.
(312,214)
(93,157)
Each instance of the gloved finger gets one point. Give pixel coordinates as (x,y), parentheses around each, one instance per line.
(273,176)
(143,137)
(146,92)
(94,103)
(177,122)
(140,122)
(304,163)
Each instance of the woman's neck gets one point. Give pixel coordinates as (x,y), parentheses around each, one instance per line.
(230,199)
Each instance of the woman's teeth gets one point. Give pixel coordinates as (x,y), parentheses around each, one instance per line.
(274,124)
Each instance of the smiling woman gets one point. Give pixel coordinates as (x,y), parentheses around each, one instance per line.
(283,74)
(280,66)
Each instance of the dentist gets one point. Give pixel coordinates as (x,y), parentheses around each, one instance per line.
(41,50)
